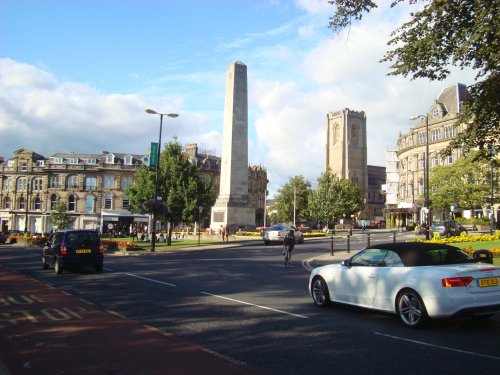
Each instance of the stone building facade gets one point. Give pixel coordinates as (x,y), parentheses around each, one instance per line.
(93,188)
(346,156)
(409,208)
(91,185)
(210,165)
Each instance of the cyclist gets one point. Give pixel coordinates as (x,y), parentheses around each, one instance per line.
(289,244)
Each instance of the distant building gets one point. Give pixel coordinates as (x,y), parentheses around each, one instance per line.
(346,156)
(93,188)
(411,148)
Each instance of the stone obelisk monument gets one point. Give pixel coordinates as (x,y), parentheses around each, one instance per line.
(232,207)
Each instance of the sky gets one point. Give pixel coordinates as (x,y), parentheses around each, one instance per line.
(77,75)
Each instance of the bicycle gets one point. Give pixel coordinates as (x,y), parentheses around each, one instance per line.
(287,254)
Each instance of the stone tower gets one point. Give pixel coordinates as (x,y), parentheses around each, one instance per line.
(232,206)
(346,152)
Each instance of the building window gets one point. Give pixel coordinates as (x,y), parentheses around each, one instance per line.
(89,203)
(24,166)
(6,203)
(435,134)
(110,158)
(92,161)
(58,160)
(72,182)
(434,160)
(435,113)
(71,203)
(421,162)
(90,183)
(37,184)
(403,191)
(40,163)
(21,204)
(6,184)
(145,161)
(53,201)
(125,203)
(421,138)
(109,182)
(21,184)
(108,200)
(449,159)
(420,186)
(73,160)
(128,160)
(38,204)
(126,181)
(54,182)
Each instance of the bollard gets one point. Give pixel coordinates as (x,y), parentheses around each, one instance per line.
(394,237)
(331,252)
(368,239)
(348,243)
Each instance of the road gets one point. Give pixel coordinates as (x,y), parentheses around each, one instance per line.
(244,304)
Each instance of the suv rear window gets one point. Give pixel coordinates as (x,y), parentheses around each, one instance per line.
(79,239)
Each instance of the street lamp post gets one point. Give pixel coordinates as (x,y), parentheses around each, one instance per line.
(173,115)
(200,210)
(426,178)
(492,201)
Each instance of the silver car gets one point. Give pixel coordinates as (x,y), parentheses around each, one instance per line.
(277,234)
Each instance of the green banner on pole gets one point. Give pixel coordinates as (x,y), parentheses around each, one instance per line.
(153,157)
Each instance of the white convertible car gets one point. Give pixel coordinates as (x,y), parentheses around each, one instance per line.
(416,281)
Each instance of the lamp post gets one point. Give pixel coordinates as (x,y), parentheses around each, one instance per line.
(426,178)
(492,201)
(173,115)
(200,210)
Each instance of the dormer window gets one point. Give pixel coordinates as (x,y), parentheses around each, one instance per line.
(10,163)
(92,161)
(58,160)
(73,160)
(24,166)
(128,160)
(40,163)
(145,160)
(435,113)
(110,159)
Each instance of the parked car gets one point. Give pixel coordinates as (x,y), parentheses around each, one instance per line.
(416,281)
(277,234)
(4,238)
(73,248)
(447,228)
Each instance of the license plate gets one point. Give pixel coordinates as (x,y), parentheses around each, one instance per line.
(83,251)
(490,281)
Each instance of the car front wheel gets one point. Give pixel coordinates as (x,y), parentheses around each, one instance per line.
(320,294)
(411,308)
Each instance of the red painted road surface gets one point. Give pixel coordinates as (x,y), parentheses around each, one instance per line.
(46,331)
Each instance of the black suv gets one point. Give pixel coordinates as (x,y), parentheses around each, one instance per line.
(73,248)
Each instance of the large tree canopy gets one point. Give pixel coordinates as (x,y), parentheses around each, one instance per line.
(180,187)
(463,33)
(293,196)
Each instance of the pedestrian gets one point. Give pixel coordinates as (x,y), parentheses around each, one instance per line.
(222,232)
(226,232)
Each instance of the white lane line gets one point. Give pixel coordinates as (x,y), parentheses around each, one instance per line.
(252,304)
(438,346)
(148,279)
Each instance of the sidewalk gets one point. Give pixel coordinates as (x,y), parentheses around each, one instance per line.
(46,331)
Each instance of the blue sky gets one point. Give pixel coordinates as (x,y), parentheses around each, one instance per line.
(77,75)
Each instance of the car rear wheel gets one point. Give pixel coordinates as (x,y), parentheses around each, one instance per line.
(57,266)
(320,294)
(301,239)
(411,308)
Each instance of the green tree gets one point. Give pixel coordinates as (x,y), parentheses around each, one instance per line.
(334,197)
(445,33)
(295,190)
(465,183)
(59,217)
(180,187)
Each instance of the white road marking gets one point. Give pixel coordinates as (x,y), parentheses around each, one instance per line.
(438,346)
(148,279)
(252,304)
